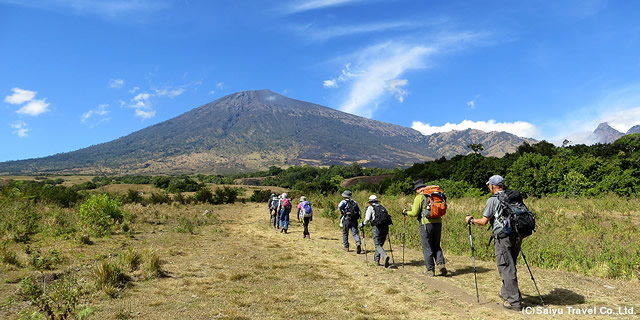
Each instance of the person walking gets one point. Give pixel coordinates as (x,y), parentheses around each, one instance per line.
(285,209)
(430,231)
(350,212)
(378,216)
(506,248)
(275,211)
(305,213)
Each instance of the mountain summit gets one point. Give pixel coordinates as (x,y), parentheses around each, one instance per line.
(253,130)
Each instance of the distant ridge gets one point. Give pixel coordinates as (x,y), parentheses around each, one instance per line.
(252,130)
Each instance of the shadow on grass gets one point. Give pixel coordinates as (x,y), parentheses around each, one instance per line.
(559,297)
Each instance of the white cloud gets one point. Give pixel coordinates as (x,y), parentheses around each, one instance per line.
(472,103)
(169,92)
(101,110)
(330,83)
(116,83)
(321,34)
(395,87)
(519,128)
(34,107)
(20,96)
(212,92)
(142,96)
(21,131)
(145,114)
(134,89)
(307,5)
(220,85)
(381,66)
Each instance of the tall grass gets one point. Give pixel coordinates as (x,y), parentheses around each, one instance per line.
(592,236)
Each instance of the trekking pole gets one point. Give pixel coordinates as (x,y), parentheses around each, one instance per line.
(473,257)
(365,245)
(391,250)
(534,280)
(404,219)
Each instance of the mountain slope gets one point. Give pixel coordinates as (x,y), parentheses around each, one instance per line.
(604,133)
(256,129)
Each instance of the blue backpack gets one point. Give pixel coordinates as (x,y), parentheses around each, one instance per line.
(306,209)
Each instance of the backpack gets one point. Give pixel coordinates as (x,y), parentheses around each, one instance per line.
(306,209)
(516,218)
(435,202)
(286,203)
(381,216)
(352,210)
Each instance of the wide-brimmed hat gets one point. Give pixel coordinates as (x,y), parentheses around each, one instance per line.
(496,180)
(373,198)
(346,194)
(418,184)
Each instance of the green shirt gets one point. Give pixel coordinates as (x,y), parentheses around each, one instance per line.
(418,207)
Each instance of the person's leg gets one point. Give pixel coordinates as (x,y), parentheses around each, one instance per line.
(354,232)
(435,245)
(286,221)
(305,222)
(345,233)
(425,238)
(506,262)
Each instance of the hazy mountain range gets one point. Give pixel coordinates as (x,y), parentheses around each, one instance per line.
(604,133)
(253,130)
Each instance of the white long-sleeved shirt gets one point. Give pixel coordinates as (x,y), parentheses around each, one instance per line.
(369,214)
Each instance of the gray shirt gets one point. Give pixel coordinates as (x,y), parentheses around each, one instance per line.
(493,211)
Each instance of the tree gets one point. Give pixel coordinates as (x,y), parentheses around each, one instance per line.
(475,147)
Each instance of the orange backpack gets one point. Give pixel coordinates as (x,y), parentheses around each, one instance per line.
(435,205)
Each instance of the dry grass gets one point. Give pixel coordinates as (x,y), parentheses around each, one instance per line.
(237,267)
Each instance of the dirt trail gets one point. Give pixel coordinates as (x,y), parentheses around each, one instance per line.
(251,271)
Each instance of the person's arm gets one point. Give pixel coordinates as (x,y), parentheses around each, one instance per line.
(368,216)
(341,206)
(489,209)
(416,208)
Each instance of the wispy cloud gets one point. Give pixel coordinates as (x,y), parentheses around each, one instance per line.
(101,110)
(315,33)
(20,96)
(307,5)
(134,90)
(472,103)
(20,129)
(519,128)
(116,83)
(145,114)
(376,72)
(169,92)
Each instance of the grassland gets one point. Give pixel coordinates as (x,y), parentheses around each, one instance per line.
(226,262)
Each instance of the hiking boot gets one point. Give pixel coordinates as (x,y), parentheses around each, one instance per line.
(285,230)
(514,307)
(386,262)
(282,230)
(443,271)
(429,273)
(358,249)
(346,249)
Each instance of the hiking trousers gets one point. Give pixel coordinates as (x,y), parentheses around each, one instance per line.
(430,234)
(305,222)
(379,236)
(284,219)
(507,250)
(353,225)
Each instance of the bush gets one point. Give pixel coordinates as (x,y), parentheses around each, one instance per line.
(58,301)
(260,195)
(203,195)
(100,213)
(159,198)
(19,219)
(109,278)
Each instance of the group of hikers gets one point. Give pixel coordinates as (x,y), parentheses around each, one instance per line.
(428,207)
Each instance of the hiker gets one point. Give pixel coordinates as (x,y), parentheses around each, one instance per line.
(430,231)
(285,209)
(506,248)
(350,212)
(379,218)
(275,210)
(305,213)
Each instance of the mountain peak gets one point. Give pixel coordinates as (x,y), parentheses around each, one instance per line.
(604,133)
(634,129)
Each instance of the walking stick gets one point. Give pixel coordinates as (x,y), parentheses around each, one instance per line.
(473,257)
(403,222)
(391,250)
(364,242)
(534,280)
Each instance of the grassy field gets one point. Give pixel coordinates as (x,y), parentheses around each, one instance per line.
(226,262)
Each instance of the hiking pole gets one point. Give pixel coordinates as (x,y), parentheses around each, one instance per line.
(534,280)
(391,250)
(404,219)
(473,257)
(364,242)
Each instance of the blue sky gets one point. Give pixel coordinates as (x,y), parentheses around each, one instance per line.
(75,73)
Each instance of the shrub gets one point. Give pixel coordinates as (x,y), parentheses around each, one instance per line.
(132,196)
(185,225)
(260,195)
(99,214)
(58,301)
(159,198)
(109,278)
(203,195)
(43,261)
(19,219)
(153,266)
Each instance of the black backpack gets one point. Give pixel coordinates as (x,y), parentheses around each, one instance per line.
(352,210)
(516,218)
(381,216)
